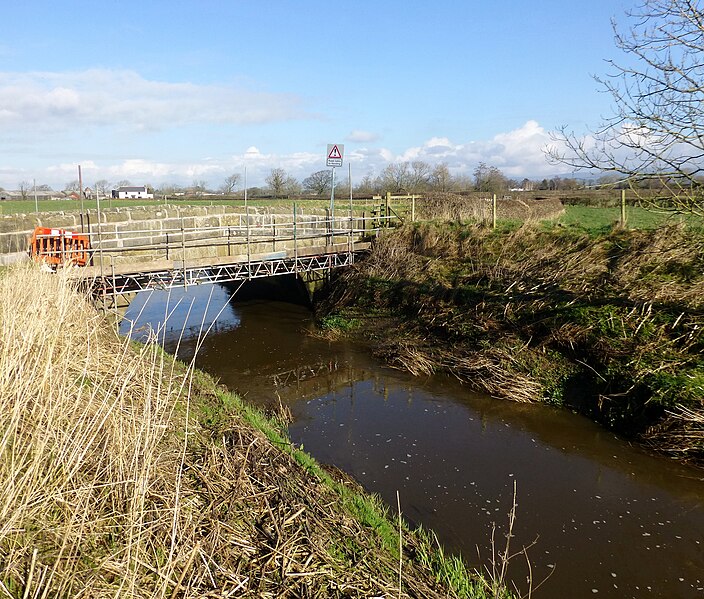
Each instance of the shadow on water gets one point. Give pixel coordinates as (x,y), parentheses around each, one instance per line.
(611,521)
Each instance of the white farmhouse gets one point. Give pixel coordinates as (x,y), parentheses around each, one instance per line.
(131,193)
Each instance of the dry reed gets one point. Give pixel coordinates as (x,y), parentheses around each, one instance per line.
(85,458)
(112,488)
(444,206)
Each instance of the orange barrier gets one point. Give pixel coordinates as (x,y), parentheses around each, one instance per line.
(58,247)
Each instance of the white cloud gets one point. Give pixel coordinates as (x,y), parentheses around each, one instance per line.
(359,136)
(58,101)
(518,153)
(213,171)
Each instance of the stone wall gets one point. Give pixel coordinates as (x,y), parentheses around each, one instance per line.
(132,234)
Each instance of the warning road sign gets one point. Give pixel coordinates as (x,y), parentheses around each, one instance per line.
(335,153)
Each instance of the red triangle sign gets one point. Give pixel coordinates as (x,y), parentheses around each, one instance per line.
(335,152)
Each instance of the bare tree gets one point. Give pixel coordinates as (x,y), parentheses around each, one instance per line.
(291,186)
(462,182)
(101,187)
(656,133)
(124,183)
(170,188)
(230,183)
(395,177)
(489,179)
(276,180)
(440,178)
(72,186)
(199,186)
(419,176)
(368,185)
(318,182)
(24,187)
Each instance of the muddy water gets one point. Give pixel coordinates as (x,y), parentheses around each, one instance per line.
(601,518)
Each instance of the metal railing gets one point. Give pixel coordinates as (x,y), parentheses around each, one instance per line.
(174,257)
(151,244)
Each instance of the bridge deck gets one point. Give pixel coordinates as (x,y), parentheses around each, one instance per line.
(152,256)
(166,274)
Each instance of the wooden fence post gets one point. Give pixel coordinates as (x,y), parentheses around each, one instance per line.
(623,207)
(295,240)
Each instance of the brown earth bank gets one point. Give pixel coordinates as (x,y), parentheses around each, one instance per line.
(608,326)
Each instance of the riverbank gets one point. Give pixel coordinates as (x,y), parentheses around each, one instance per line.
(607,325)
(126,473)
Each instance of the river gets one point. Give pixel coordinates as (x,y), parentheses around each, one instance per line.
(599,517)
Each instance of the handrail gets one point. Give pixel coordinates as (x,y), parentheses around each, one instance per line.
(182,239)
(242,228)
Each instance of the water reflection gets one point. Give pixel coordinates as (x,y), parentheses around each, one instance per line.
(611,521)
(178,318)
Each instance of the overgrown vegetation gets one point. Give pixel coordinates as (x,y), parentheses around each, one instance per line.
(609,325)
(128,474)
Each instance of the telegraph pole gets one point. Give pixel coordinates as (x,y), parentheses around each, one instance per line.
(80,193)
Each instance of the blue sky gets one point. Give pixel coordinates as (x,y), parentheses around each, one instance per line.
(171,92)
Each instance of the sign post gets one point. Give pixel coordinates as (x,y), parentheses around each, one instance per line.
(334,159)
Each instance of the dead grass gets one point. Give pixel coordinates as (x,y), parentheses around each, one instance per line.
(87,455)
(442,206)
(485,371)
(126,474)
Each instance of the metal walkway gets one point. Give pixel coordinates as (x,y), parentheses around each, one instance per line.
(180,275)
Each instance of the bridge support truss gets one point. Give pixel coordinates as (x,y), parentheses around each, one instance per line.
(112,285)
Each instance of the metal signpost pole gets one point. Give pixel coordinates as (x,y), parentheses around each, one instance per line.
(351,244)
(334,159)
(246,216)
(332,208)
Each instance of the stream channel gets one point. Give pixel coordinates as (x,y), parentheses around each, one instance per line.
(602,518)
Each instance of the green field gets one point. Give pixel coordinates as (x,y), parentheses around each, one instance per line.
(591,219)
(28,206)
(601,220)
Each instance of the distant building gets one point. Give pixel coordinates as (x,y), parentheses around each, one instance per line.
(130,193)
(30,194)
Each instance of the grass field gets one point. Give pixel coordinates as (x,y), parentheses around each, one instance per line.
(601,220)
(28,206)
(591,219)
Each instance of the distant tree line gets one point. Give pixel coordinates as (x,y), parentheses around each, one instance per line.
(412,177)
